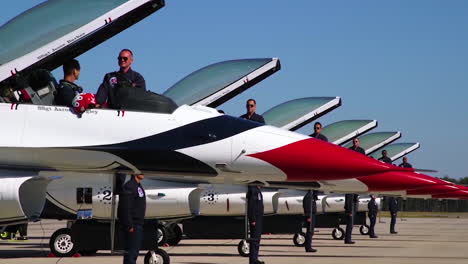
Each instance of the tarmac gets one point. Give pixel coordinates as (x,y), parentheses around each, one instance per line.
(420,240)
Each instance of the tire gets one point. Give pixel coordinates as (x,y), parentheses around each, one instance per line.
(364,230)
(176,235)
(61,244)
(162,235)
(338,233)
(243,248)
(157,256)
(299,239)
(5,235)
(90,252)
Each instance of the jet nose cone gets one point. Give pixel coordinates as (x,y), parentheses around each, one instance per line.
(399,181)
(313,160)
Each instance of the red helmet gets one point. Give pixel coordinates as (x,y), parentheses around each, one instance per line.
(81,102)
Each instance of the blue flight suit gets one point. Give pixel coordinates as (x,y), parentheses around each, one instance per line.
(309,204)
(108,91)
(131,213)
(66,92)
(372,210)
(255,214)
(393,207)
(349,212)
(255,117)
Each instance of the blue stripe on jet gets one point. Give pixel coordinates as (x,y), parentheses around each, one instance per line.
(158,152)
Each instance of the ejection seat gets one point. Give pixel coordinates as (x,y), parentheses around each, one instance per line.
(40,88)
(44,86)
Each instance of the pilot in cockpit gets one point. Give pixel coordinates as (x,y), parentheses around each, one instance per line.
(115,83)
(67,89)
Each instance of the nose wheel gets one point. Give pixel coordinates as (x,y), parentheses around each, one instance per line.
(162,235)
(174,235)
(157,256)
(338,233)
(299,239)
(243,248)
(61,244)
(364,230)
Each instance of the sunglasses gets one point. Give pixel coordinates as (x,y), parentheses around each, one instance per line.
(250,105)
(317,128)
(122,58)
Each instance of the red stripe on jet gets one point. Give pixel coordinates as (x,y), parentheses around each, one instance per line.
(314,160)
(433,190)
(399,181)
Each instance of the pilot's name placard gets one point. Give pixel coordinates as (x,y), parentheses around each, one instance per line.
(62,109)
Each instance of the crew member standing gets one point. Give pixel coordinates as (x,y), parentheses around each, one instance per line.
(131,213)
(124,78)
(349,211)
(309,204)
(372,210)
(356,146)
(318,132)
(393,207)
(405,163)
(251,106)
(385,158)
(255,215)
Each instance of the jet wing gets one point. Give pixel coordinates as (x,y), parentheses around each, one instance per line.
(397,150)
(296,113)
(373,141)
(343,131)
(217,83)
(47,35)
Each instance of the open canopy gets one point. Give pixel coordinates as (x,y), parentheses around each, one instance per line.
(296,113)
(57,30)
(219,82)
(343,131)
(397,150)
(373,141)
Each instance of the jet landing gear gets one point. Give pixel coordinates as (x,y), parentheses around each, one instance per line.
(338,233)
(174,234)
(364,230)
(299,239)
(243,248)
(88,236)
(61,244)
(157,256)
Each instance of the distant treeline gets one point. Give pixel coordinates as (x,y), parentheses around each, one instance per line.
(433,205)
(463,181)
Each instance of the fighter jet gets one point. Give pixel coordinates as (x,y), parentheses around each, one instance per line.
(177,138)
(177,142)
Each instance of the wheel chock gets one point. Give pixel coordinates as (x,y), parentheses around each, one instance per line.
(51,255)
(77,255)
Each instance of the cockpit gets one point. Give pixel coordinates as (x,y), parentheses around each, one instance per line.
(209,86)
(31,47)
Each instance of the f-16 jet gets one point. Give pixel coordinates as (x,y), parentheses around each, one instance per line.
(177,137)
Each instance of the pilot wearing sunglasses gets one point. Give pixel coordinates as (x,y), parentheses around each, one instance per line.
(251,106)
(124,78)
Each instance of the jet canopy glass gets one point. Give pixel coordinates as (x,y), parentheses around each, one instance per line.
(296,113)
(342,131)
(47,22)
(213,79)
(396,151)
(373,141)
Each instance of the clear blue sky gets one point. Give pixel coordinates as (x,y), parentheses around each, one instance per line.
(401,62)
